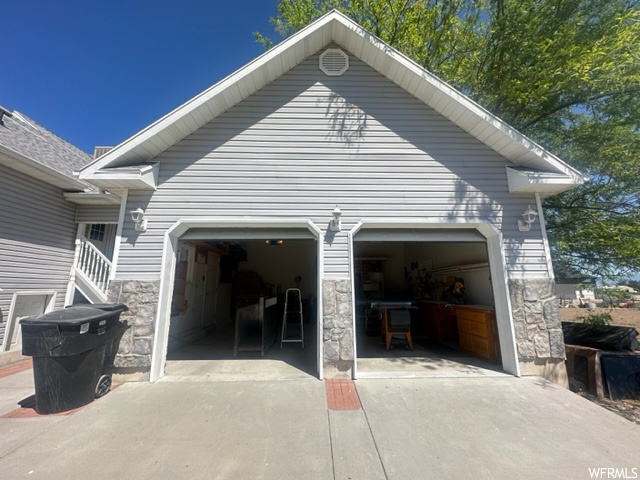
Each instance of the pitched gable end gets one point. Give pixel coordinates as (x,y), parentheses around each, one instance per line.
(335,28)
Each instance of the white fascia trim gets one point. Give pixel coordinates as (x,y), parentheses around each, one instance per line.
(147,174)
(171,238)
(520,181)
(202,98)
(56,178)
(497,267)
(471,106)
(332,21)
(92,198)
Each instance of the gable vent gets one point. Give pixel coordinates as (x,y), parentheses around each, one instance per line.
(334,62)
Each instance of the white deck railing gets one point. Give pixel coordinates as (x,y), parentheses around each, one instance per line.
(94,265)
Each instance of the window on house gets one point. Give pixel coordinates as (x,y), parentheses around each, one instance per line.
(96,231)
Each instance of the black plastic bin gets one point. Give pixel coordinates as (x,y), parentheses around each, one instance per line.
(68,349)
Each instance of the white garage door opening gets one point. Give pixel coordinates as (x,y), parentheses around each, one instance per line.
(425,304)
(225,309)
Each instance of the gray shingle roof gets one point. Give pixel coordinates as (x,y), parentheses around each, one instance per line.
(23,135)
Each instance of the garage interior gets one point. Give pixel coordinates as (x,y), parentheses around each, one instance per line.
(228,306)
(441,281)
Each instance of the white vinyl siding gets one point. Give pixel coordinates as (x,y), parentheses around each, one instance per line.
(97,213)
(37,238)
(308,142)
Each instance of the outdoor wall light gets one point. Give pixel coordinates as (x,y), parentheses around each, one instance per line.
(138,218)
(336,224)
(528,217)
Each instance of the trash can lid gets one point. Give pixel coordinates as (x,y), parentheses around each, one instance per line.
(105,307)
(69,316)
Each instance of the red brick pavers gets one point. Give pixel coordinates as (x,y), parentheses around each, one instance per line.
(341,395)
(15,368)
(30,412)
(27,410)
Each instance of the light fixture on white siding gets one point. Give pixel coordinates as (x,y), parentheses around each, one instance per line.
(336,223)
(528,217)
(138,217)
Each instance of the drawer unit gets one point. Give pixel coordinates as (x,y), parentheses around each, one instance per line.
(464,325)
(482,348)
(480,329)
(476,331)
(466,341)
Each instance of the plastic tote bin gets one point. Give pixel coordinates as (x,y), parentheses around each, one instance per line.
(68,349)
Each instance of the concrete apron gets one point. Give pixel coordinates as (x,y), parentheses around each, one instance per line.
(492,427)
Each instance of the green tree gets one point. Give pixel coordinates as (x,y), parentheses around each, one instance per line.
(566,73)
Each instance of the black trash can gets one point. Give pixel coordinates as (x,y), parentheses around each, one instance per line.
(68,349)
(111,349)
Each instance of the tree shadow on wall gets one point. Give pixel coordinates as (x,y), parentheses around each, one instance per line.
(347,120)
(471,204)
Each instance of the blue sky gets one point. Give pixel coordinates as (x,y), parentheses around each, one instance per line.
(95,73)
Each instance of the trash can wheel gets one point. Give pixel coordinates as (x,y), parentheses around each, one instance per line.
(103,386)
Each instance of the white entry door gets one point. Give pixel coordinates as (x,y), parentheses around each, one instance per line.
(24,305)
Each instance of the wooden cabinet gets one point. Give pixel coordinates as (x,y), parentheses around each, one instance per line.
(477,332)
(438,322)
(471,328)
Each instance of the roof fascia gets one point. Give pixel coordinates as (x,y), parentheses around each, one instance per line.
(92,198)
(146,175)
(33,168)
(470,105)
(522,181)
(189,106)
(336,23)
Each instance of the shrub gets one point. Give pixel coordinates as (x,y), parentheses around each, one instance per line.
(596,319)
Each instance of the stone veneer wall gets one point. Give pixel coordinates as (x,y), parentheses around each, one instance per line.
(337,328)
(136,343)
(538,330)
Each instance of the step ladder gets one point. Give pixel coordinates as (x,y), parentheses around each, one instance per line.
(292,324)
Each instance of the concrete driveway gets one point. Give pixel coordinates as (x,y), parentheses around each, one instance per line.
(491,427)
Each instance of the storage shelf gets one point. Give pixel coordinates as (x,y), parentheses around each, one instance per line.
(468,267)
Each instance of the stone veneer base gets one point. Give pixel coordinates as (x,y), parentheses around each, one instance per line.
(123,375)
(553,370)
(337,333)
(135,344)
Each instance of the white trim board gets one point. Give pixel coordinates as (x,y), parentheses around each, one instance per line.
(172,237)
(497,267)
(334,27)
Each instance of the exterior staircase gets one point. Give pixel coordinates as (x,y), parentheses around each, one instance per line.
(92,272)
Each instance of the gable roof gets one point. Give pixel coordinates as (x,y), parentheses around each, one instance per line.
(32,149)
(334,27)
